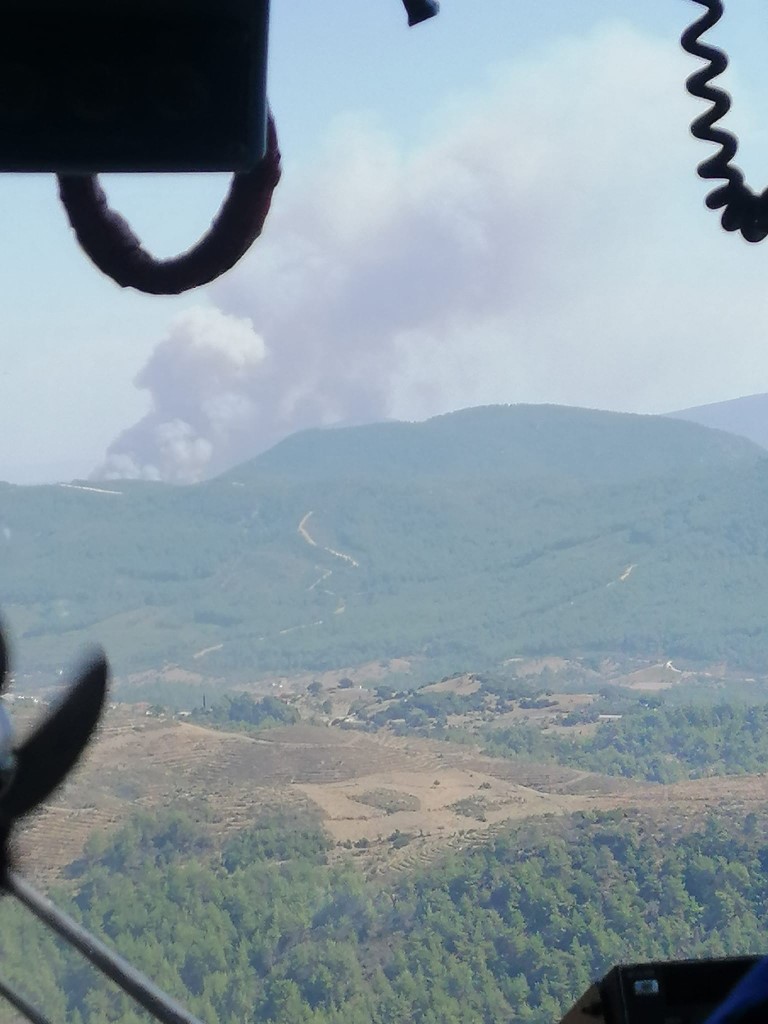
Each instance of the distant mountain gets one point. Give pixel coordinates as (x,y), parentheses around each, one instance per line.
(513,441)
(464,540)
(746,417)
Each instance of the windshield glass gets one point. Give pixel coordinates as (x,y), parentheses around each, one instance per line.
(427,546)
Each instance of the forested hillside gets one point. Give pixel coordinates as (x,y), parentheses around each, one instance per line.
(612,731)
(268,930)
(519,442)
(660,744)
(462,541)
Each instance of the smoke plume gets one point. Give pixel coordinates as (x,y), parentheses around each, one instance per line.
(201,379)
(545,242)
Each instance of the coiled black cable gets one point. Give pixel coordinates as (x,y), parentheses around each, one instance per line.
(743,209)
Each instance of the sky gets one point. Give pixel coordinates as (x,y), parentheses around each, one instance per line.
(498,205)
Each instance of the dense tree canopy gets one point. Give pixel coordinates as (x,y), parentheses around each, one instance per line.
(664,743)
(461,541)
(265,929)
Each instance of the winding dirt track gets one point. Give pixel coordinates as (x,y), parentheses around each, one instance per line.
(305,534)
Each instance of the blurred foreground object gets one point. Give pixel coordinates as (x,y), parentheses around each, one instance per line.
(420,10)
(660,992)
(743,210)
(33,769)
(107,238)
(145,85)
(134,85)
(29,773)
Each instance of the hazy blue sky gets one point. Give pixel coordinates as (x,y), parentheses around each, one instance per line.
(497,206)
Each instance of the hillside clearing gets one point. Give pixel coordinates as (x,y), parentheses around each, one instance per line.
(227,779)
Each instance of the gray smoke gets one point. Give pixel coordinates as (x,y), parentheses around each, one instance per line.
(545,243)
(201,379)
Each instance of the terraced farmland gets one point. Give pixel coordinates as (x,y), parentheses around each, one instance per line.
(227,779)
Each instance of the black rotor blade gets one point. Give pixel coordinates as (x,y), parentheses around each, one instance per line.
(45,758)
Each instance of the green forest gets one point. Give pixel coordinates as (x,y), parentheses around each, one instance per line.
(462,543)
(459,542)
(241,711)
(273,927)
(660,744)
(657,737)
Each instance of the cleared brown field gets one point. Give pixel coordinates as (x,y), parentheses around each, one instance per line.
(462,685)
(654,677)
(449,792)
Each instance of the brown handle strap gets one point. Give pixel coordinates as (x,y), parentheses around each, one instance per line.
(109,242)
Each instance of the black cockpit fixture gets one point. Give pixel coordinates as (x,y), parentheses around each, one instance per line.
(150,86)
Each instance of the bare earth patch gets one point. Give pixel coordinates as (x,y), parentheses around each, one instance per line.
(654,678)
(464,685)
(227,779)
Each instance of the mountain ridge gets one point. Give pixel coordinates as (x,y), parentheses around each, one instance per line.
(462,541)
(744,417)
(557,436)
